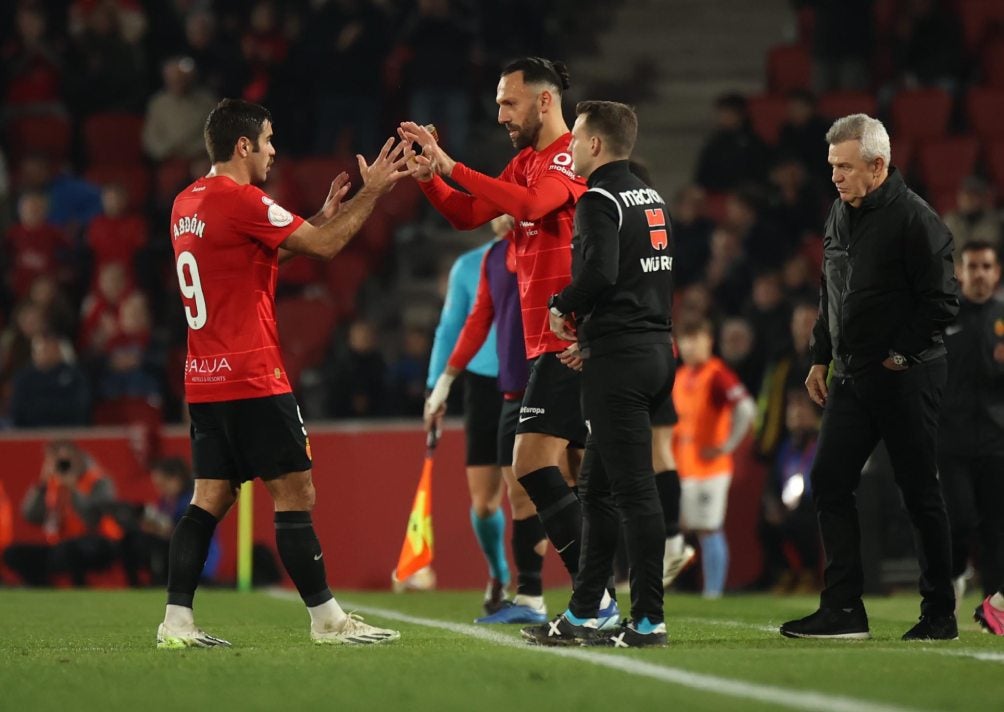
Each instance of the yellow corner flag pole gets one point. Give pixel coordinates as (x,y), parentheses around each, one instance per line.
(245,531)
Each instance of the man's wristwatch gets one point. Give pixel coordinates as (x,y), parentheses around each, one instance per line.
(554,310)
(899,359)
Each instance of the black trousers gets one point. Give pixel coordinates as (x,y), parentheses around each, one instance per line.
(620,391)
(974,490)
(900,408)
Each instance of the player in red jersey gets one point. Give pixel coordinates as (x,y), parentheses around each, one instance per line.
(539,189)
(228,239)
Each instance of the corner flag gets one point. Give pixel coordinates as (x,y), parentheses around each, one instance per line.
(416,551)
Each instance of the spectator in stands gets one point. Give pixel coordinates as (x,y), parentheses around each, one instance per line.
(802,133)
(27,321)
(789,528)
(348,33)
(794,203)
(691,236)
(34,246)
(358,387)
(146,541)
(71,503)
(73,202)
(57,311)
(842,42)
(974,218)
(125,368)
(438,53)
(727,273)
(733,154)
(214,57)
(770,316)
(763,244)
(407,373)
(927,45)
(107,67)
(264,47)
(100,311)
(784,372)
(176,115)
(32,67)
(51,391)
(117,235)
(737,345)
(695,304)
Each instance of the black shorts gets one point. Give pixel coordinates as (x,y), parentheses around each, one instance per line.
(239,440)
(551,403)
(665,414)
(482,405)
(507,431)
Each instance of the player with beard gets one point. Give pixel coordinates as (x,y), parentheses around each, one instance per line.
(228,237)
(539,189)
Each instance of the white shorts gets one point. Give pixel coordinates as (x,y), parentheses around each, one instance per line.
(702,502)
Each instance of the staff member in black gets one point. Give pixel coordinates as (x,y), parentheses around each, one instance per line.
(971,439)
(620,298)
(888,292)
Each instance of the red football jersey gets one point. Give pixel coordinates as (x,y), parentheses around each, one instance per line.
(544,246)
(226,241)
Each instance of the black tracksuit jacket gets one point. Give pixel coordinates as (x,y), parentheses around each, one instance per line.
(888,281)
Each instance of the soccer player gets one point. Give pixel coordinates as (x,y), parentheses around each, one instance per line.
(715,413)
(228,238)
(539,189)
(496,311)
(482,408)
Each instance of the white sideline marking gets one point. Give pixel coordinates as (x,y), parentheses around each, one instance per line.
(769,694)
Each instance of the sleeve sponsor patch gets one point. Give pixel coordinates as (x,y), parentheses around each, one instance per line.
(279,216)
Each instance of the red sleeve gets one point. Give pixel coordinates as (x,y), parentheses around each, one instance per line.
(726,388)
(264,219)
(522,202)
(478,324)
(464,211)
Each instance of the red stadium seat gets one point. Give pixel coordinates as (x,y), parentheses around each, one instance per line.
(49,135)
(921,113)
(305,327)
(902,154)
(994,157)
(311,178)
(993,65)
(836,104)
(944,163)
(113,139)
(981,20)
(788,67)
(985,110)
(767,114)
(135,179)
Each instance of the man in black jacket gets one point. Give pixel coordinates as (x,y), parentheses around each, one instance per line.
(619,298)
(971,437)
(888,292)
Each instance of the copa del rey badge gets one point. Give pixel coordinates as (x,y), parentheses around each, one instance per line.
(277,215)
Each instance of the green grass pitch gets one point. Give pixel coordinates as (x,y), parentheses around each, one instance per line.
(94,650)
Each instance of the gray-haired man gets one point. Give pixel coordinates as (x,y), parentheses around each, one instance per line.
(888,291)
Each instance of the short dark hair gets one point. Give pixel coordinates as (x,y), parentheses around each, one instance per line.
(978,246)
(693,327)
(228,122)
(616,122)
(537,70)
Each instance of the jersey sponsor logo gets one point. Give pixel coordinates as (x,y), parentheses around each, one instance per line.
(661,263)
(189,226)
(529,412)
(279,216)
(562,159)
(657,228)
(198,189)
(207,366)
(529,227)
(642,196)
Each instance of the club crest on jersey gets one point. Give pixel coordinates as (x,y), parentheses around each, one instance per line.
(657,228)
(279,216)
(189,226)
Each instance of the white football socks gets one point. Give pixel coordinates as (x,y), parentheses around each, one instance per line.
(326,617)
(534,602)
(179,617)
(674,545)
(997,601)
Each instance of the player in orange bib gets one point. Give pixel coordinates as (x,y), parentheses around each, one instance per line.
(715,414)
